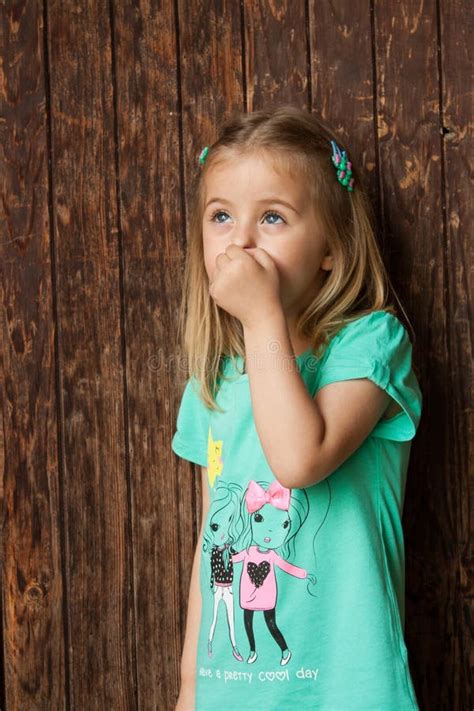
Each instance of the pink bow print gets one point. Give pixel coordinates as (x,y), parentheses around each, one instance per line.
(276,495)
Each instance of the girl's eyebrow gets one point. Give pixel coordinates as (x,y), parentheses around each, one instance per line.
(272,199)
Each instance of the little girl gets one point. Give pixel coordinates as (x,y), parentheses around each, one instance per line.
(302,402)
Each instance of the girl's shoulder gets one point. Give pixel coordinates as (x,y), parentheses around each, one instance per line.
(376,346)
(378,333)
(378,336)
(380,324)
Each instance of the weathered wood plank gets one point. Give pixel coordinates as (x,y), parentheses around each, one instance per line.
(276,57)
(457,61)
(33,608)
(152,227)
(96,516)
(411,192)
(342,87)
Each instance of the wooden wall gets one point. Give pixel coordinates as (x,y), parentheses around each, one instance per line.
(105,108)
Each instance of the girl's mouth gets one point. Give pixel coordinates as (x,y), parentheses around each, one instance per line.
(267,539)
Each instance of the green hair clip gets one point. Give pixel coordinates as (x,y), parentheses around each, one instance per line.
(203,155)
(343,166)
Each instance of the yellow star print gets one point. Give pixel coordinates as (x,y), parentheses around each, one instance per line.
(214,458)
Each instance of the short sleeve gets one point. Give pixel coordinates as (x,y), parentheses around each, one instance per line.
(190,439)
(377,346)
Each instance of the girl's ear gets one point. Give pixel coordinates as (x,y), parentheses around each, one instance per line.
(327,262)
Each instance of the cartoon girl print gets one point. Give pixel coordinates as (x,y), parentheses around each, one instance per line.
(273,516)
(222,530)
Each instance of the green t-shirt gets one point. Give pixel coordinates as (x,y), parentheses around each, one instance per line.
(303,589)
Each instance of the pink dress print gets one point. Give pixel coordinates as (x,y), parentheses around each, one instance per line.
(258,588)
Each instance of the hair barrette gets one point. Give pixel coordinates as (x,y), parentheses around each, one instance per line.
(343,166)
(203,155)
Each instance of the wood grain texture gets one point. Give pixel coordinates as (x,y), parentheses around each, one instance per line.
(456,59)
(409,145)
(276,58)
(148,126)
(342,82)
(34,616)
(95,475)
(105,108)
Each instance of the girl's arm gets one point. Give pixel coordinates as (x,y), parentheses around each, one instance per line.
(304,440)
(186,698)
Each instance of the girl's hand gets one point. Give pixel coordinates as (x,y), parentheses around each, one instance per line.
(246,284)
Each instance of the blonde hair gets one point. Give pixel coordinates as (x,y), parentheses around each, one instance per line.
(358,282)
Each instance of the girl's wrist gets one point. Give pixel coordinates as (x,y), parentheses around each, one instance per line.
(265,315)
(268,339)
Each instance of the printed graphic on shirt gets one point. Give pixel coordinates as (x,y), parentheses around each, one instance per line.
(256,530)
(222,531)
(272,517)
(214,458)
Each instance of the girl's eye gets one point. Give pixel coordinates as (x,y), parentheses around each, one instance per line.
(214,526)
(217,215)
(286,523)
(258,518)
(219,212)
(274,214)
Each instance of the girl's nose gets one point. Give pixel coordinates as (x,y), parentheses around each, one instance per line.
(244,236)
(246,242)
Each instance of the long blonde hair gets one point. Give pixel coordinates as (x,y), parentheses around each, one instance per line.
(358,282)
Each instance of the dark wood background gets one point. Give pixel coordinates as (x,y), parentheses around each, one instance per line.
(105,108)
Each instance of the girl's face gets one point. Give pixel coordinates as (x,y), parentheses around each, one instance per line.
(250,203)
(270,527)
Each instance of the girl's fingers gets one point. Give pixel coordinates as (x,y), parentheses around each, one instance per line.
(221,258)
(263,258)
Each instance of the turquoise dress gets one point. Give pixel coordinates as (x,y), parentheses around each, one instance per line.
(303,589)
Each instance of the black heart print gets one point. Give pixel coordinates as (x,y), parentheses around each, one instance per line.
(258,573)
